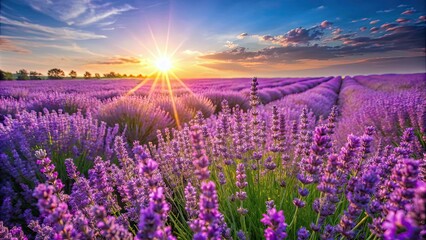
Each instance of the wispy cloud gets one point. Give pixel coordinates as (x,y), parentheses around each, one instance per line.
(374,22)
(78,12)
(52,33)
(7,45)
(408,12)
(320,7)
(96,17)
(230,44)
(242,35)
(385,11)
(119,60)
(360,20)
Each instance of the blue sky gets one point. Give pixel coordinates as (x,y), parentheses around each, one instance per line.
(214,38)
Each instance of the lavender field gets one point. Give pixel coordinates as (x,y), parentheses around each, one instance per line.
(268,158)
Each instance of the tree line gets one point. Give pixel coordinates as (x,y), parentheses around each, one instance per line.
(56,73)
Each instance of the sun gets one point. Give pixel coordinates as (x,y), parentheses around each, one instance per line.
(163,64)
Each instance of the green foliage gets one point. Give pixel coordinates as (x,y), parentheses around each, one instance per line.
(55,73)
(22,75)
(35,75)
(5,75)
(87,75)
(73,74)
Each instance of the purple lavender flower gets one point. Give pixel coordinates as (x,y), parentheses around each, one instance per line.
(152,219)
(275,222)
(201,161)
(107,225)
(302,234)
(241,235)
(399,226)
(222,178)
(191,205)
(241,176)
(48,169)
(405,176)
(299,203)
(269,164)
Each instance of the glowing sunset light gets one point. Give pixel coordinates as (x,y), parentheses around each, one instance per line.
(163,64)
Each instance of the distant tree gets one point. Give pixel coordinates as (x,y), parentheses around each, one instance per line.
(112,75)
(35,75)
(97,75)
(6,75)
(131,76)
(73,74)
(87,75)
(124,75)
(139,76)
(22,75)
(55,73)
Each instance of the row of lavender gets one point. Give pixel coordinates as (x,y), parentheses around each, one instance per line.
(390,103)
(141,110)
(209,180)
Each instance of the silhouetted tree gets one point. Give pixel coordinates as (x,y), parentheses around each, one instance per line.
(35,75)
(87,75)
(6,75)
(112,75)
(55,73)
(22,75)
(97,75)
(73,74)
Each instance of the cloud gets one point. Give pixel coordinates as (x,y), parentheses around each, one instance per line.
(402,20)
(337,31)
(242,35)
(53,33)
(93,18)
(119,60)
(287,54)
(78,12)
(422,19)
(326,24)
(362,29)
(230,44)
(360,20)
(408,12)
(343,36)
(374,29)
(387,26)
(320,7)
(374,22)
(7,45)
(402,5)
(385,11)
(296,36)
(399,38)
(396,38)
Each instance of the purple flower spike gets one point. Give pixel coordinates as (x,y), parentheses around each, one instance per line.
(398,226)
(209,224)
(241,176)
(275,222)
(302,234)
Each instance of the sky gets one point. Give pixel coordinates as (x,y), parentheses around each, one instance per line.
(214,38)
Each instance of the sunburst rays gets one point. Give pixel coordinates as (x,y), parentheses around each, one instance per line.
(165,63)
